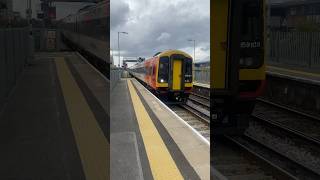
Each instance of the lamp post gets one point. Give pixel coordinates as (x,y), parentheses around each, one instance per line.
(111,56)
(194,48)
(194,55)
(119,45)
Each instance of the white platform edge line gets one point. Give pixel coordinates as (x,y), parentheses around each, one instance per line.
(83,58)
(184,122)
(316,82)
(216,173)
(202,85)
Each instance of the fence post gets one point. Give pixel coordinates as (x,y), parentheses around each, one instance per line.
(310,49)
(31,47)
(2,69)
(277,51)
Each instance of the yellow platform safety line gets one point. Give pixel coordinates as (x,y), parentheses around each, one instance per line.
(294,71)
(161,163)
(92,145)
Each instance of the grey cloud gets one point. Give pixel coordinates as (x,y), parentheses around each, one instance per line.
(167,27)
(164,37)
(119,13)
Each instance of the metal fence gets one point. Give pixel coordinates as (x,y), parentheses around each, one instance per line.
(115,76)
(295,48)
(202,75)
(15,49)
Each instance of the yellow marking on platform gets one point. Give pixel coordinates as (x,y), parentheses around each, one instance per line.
(91,142)
(161,163)
(295,71)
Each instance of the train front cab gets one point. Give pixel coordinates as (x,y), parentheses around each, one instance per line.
(237,63)
(174,75)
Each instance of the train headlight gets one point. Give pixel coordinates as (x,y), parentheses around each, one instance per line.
(248,62)
(188,78)
(241,62)
(161,80)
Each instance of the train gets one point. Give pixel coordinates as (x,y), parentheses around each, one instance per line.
(237,63)
(168,74)
(88,31)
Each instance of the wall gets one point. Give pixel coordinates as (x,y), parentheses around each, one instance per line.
(14,53)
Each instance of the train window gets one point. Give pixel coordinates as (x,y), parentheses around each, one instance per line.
(188,71)
(251,27)
(251,54)
(163,72)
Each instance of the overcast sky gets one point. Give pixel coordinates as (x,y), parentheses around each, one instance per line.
(155,26)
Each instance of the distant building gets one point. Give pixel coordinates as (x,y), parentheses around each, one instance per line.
(202,64)
(290,15)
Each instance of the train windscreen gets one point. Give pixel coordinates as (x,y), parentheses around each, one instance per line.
(188,71)
(251,34)
(163,72)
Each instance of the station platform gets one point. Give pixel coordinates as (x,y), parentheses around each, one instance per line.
(148,141)
(202,85)
(294,73)
(53,125)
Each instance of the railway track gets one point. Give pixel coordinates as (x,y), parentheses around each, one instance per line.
(249,157)
(242,158)
(303,125)
(276,145)
(292,134)
(196,113)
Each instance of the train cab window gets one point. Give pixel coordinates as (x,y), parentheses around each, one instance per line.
(163,72)
(188,71)
(252,23)
(251,53)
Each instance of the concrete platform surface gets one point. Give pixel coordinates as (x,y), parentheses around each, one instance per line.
(53,125)
(202,85)
(149,142)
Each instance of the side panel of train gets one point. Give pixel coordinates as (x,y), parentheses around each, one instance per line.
(89,30)
(92,45)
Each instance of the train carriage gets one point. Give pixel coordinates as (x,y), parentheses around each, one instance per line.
(168,74)
(88,32)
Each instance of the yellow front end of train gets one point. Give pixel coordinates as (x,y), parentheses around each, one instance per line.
(237,62)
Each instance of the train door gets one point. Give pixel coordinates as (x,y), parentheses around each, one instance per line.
(176,74)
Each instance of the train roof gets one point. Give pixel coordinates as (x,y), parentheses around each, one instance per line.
(170,52)
(161,54)
(88,9)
